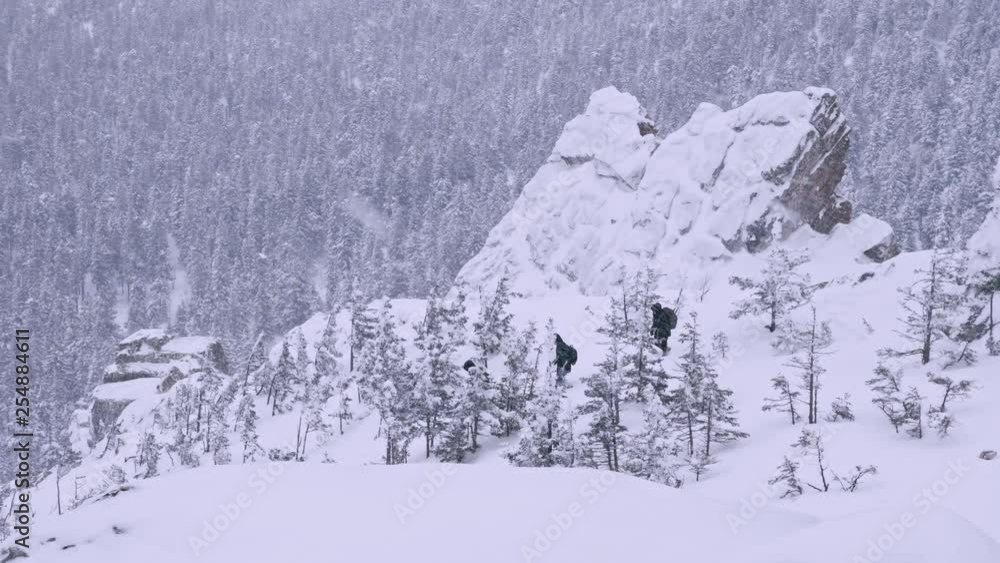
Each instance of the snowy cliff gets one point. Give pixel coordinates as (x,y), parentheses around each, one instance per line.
(613,196)
(147,365)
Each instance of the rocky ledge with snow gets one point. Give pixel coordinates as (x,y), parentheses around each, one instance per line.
(148,363)
(612,195)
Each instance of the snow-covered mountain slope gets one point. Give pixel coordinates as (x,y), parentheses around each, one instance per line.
(305,513)
(628,201)
(611,195)
(487,510)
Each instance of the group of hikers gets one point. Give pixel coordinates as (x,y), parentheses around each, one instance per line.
(664,321)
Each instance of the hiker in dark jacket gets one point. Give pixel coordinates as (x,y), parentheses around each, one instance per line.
(565,358)
(664,321)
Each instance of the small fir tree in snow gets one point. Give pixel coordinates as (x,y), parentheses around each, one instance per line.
(721,425)
(281,381)
(840,409)
(247,427)
(785,399)
(887,385)
(929,304)
(363,323)
(788,477)
(913,406)
(642,369)
(494,322)
(778,289)
(334,383)
(700,405)
(547,438)
(515,385)
(720,345)
(652,452)
(700,462)
(149,454)
(813,341)
(850,483)
(810,445)
(604,392)
(951,390)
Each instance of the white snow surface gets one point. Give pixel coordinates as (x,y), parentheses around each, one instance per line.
(609,198)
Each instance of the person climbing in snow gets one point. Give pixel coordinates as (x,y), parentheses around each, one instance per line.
(664,321)
(565,358)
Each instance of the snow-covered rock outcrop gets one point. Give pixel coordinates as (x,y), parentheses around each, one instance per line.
(611,195)
(147,365)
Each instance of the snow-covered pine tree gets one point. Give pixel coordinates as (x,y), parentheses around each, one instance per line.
(652,452)
(778,289)
(254,362)
(929,304)
(515,385)
(888,388)
(315,390)
(720,344)
(281,380)
(721,425)
(810,444)
(785,400)
(699,463)
(788,475)
(547,438)
(149,454)
(216,424)
(328,372)
(840,409)
(477,404)
(605,394)
(951,390)
(389,383)
(687,399)
(363,323)
(812,342)
(247,427)
(913,406)
(642,367)
(438,377)
(938,416)
(494,322)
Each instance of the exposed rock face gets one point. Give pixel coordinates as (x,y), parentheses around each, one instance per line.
(148,362)
(612,196)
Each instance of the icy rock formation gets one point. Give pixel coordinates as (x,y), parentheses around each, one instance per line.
(147,364)
(612,196)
